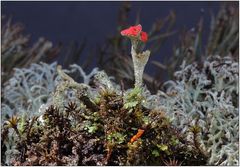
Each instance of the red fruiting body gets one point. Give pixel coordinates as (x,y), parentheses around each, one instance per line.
(135,31)
(132,31)
(144,36)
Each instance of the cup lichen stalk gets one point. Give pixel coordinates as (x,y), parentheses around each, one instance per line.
(137,36)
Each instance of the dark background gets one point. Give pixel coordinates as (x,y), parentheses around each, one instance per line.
(73,21)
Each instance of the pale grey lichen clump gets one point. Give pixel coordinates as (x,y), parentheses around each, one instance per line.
(208,95)
(29,89)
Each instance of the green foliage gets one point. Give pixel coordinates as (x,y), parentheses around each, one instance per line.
(133,98)
(174,141)
(155,153)
(91,128)
(162,147)
(116,137)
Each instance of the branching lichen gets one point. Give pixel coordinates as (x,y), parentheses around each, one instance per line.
(208,93)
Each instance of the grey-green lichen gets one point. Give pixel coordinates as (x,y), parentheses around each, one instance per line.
(208,94)
(194,121)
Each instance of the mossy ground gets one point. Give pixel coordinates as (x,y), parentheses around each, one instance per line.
(100,132)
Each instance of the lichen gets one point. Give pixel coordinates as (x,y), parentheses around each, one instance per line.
(208,95)
(100,126)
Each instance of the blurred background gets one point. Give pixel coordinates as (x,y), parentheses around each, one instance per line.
(88,33)
(74,21)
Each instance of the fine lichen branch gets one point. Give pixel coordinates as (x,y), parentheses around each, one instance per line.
(86,77)
(68,83)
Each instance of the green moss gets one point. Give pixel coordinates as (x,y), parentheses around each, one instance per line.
(155,153)
(133,98)
(116,137)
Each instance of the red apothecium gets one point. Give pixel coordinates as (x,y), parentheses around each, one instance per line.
(135,32)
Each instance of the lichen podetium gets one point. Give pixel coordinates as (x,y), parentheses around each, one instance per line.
(137,36)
